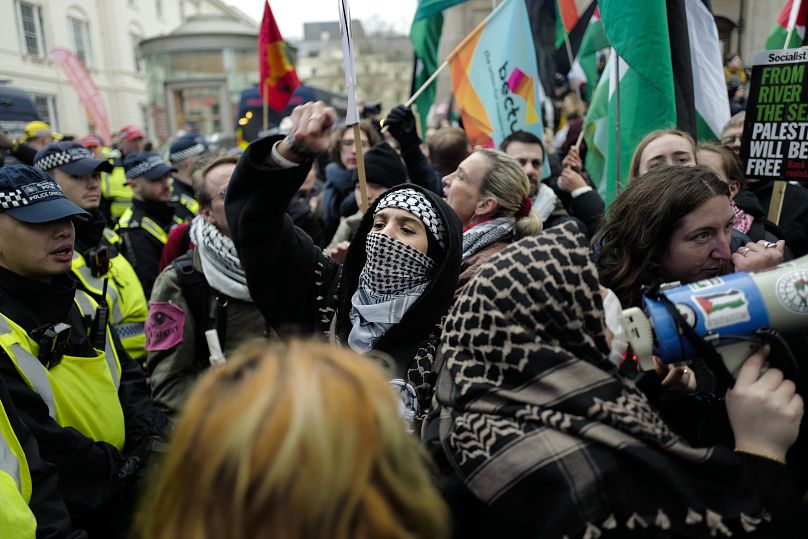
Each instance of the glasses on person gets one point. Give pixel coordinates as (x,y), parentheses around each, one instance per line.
(349,142)
(730,139)
(222,193)
(535,163)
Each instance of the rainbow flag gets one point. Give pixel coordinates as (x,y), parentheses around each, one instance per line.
(278,78)
(495,77)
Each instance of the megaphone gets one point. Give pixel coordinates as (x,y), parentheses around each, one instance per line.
(728,312)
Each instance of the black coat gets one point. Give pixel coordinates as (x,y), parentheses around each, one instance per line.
(94,478)
(142,249)
(794,217)
(300,290)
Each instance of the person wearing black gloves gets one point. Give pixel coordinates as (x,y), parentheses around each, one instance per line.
(83,398)
(398,278)
(401,124)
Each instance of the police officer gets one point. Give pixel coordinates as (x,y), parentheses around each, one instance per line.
(116,194)
(145,226)
(31,505)
(97,256)
(76,389)
(183,154)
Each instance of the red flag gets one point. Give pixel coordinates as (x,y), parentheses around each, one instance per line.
(278,77)
(88,92)
(568,13)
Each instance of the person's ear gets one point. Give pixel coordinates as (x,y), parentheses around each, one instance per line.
(486,206)
(207,215)
(734,188)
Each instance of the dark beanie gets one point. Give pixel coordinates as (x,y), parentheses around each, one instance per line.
(383,166)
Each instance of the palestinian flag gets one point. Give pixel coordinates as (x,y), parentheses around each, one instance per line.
(427,26)
(566,17)
(586,47)
(794,14)
(670,75)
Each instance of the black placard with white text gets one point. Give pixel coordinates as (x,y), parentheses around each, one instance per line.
(775,134)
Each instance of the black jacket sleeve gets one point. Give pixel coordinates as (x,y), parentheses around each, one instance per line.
(280,260)
(25,154)
(52,518)
(143,252)
(589,208)
(420,171)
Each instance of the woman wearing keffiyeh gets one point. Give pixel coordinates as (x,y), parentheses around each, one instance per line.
(538,436)
(399,275)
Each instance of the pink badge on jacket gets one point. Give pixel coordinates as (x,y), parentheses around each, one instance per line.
(164,327)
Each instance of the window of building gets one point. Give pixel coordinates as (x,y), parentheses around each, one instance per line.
(46,108)
(138,57)
(30,23)
(158,6)
(81,40)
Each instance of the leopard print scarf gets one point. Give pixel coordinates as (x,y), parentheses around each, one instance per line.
(540,426)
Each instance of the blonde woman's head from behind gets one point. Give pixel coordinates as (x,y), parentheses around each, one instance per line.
(302,441)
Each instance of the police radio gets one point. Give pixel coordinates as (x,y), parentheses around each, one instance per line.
(728,317)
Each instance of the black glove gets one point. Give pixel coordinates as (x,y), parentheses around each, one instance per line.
(401,124)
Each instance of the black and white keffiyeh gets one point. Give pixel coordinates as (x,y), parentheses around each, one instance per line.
(220,263)
(417,204)
(393,278)
(481,236)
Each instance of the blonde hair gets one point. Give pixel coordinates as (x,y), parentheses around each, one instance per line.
(299,441)
(508,184)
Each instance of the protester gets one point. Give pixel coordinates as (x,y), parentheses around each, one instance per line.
(116,193)
(383,170)
(447,147)
(399,275)
(76,388)
(39,134)
(298,441)
(489,192)
(339,173)
(537,434)
(663,147)
(182,154)
(144,227)
(750,218)
(97,254)
(673,224)
(733,131)
(201,290)
(303,208)
(586,206)
(402,125)
(31,504)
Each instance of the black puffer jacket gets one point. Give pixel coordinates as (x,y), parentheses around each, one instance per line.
(794,216)
(301,291)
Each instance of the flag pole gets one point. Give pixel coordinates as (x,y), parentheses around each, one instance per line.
(266,106)
(792,23)
(617,118)
(571,59)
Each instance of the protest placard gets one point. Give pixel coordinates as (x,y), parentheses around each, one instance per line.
(775,135)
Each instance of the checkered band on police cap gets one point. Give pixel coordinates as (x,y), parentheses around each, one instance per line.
(196,149)
(145,166)
(417,204)
(55,160)
(12,199)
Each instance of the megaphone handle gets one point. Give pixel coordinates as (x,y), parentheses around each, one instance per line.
(781,357)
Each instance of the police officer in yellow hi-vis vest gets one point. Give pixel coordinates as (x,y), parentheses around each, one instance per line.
(30,505)
(76,389)
(183,154)
(144,227)
(97,254)
(116,195)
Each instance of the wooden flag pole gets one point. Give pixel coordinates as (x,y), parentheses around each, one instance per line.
(580,138)
(360,168)
(572,60)
(776,204)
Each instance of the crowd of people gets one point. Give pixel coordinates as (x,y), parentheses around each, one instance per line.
(207,344)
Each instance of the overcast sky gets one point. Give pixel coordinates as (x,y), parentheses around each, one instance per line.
(291,14)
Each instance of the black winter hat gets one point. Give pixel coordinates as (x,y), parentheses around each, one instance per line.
(383,166)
